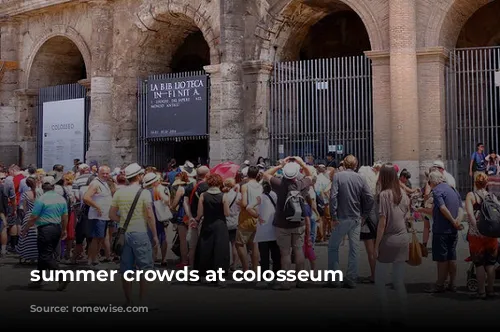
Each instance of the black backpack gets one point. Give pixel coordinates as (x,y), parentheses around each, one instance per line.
(489,217)
(294,207)
(320,205)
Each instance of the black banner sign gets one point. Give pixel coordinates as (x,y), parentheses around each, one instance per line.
(177,107)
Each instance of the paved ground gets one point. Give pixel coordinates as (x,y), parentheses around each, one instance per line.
(179,303)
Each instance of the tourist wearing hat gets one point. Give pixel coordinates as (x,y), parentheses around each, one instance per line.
(290,235)
(152,183)
(137,253)
(98,197)
(449,179)
(50,216)
(189,169)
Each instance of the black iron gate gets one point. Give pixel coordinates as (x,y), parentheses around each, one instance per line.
(472,108)
(320,106)
(59,93)
(158,151)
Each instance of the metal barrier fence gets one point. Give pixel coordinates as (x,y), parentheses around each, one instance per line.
(159,151)
(320,106)
(58,93)
(472,108)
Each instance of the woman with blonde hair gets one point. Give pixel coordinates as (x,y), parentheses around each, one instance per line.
(234,196)
(483,250)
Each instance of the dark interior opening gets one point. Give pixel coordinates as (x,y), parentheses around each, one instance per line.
(339,34)
(192,55)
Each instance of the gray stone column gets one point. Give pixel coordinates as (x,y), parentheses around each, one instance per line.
(9,118)
(257,94)
(28,122)
(232,118)
(431,70)
(405,143)
(215,152)
(381,83)
(100,119)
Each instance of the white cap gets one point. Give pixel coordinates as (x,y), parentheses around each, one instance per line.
(83,166)
(438,164)
(291,170)
(49,180)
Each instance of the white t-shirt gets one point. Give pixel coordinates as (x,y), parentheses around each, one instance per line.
(265,229)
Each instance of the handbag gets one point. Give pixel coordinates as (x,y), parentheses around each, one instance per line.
(119,241)
(415,249)
(162,212)
(232,222)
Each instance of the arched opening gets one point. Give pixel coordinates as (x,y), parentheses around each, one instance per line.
(54,75)
(177,47)
(340,34)
(322,96)
(57,62)
(473,98)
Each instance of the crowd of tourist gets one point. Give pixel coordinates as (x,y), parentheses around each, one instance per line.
(264,216)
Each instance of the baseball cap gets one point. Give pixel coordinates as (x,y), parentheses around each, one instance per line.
(49,180)
(438,164)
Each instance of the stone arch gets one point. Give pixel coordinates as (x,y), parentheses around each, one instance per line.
(445,23)
(287,18)
(155,14)
(58,31)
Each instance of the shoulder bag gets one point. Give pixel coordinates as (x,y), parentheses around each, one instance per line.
(162,211)
(119,241)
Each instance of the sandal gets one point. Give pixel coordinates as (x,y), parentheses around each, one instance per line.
(436,289)
(478,296)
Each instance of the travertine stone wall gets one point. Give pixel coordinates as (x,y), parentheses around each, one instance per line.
(113,43)
(405,146)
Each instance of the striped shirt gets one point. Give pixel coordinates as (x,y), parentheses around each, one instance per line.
(123,200)
(49,209)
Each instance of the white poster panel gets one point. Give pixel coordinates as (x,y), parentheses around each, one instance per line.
(63,133)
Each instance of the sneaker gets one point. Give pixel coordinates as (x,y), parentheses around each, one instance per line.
(333,284)
(349,284)
(62,285)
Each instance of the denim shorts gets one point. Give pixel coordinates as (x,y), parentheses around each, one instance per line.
(137,253)
(444,247)
(99,228)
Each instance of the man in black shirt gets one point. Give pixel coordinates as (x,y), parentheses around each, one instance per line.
(193,193)
(330,160)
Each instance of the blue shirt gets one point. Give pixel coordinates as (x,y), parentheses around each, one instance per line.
(449,197)
(479,161)
(49,208)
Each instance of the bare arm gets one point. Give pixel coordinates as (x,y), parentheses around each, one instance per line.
(244,197)
(471,166)
(380,231)
(200,208)
(150,218)
(87,198)
(227,211)
(113,214)
(469,208)
(64,225)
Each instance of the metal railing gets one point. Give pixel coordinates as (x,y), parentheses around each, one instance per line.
(472,108)
(320,106)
